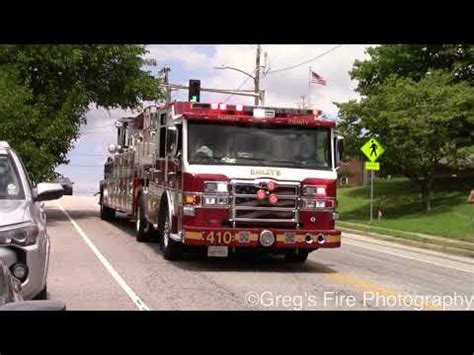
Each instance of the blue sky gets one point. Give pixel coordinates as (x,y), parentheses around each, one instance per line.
(283,89)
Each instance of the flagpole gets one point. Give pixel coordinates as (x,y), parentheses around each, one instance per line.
(309,88)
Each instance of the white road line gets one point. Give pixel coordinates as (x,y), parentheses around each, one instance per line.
(407,257)
(128,290)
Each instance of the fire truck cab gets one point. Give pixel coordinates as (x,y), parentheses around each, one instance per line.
(226,177)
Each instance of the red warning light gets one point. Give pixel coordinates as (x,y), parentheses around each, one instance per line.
(260,194)
(271,186)
(273,199)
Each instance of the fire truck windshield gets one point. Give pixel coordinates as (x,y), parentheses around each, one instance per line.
(292,147)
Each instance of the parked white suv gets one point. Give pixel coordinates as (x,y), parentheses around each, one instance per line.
(23,223)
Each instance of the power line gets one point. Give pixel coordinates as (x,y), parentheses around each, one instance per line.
(240,86)
(306,61)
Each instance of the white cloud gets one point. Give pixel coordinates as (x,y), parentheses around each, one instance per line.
(166,54)
(282,88)
(101,149)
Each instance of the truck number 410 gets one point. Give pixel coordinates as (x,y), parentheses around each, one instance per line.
(219,237)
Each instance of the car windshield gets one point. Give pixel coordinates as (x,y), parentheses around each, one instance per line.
(10,183)
(293,147)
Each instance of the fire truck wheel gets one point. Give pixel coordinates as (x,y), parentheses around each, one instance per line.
(106,213)
(299,256)
(172,250)
(142,226)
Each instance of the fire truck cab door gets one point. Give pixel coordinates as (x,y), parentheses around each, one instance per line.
(173,157)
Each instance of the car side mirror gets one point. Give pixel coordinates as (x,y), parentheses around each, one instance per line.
(34,306)
(46,191)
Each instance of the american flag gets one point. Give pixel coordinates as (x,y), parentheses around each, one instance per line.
(317,79)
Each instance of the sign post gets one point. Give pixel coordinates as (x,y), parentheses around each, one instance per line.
(372,150)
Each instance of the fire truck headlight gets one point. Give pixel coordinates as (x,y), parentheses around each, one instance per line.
(215,186)
(309,190)
(221,200)
(216,200)
(307,203)
(210,200)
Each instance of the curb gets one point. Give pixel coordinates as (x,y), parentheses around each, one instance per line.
(420,244)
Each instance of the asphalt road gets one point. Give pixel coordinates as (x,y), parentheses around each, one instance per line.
(98,265)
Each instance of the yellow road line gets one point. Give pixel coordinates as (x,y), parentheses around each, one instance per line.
(365,285)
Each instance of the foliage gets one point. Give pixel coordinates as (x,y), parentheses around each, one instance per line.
(46,90)
(419,102)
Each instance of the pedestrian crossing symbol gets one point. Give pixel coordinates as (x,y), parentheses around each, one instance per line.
(372,149)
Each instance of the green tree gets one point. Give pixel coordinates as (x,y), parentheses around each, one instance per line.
(46,90)
(414,62)
(418,100)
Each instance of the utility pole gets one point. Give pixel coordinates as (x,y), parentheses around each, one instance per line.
(257,76)
(165,72)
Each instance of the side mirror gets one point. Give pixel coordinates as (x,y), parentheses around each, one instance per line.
(339,150)
(173,141)
(34,306)
(46,191)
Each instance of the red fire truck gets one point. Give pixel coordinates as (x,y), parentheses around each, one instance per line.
(226,177)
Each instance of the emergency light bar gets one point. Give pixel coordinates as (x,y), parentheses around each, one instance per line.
(258,112)
(263,113)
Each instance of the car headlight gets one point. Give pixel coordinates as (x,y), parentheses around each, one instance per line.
(215,186)
(23,236)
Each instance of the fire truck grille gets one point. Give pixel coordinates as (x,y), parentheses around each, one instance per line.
(247,215)
(253,188)
(247,208)
(253,202)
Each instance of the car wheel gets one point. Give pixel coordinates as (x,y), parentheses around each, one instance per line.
(172,250)
(142,226)
(43,294)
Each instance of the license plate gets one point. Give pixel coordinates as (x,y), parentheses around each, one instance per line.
(218,251)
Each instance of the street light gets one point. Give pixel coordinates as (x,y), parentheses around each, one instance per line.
(255,81)
(232,68)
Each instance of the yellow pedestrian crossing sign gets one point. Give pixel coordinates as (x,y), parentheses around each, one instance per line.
(372,149)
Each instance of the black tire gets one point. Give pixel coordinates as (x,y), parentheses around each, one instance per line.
(43,294)
(106,213)
(172,250)
(299,256)
(142,226)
